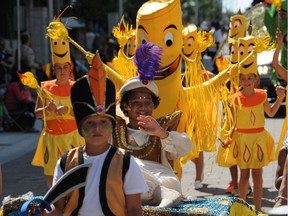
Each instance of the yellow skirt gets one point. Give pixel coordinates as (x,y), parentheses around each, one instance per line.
(51,147)
(250,151)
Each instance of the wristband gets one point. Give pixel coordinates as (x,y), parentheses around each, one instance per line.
(281,98)
(69,110)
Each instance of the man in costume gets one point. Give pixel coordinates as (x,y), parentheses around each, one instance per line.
(153,142)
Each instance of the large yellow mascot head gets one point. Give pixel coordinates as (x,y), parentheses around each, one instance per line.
(160,22)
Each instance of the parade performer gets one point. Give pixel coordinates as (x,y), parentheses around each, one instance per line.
(238,27)
(60,130)
(194,43)
(152,141)
(251,146)
(276,21)
(160,22)
(114,182)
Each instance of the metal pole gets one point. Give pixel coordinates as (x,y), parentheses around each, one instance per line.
(50,10)
(120,9)
(18,37)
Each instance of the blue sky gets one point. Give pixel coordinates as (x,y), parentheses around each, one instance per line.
(235,5)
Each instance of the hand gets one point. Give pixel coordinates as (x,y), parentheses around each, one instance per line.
(225,143)
(61,110)
(148,125)
(51,107)
(279,37)
(280,91)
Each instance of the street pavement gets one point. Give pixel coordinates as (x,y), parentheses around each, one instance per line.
(19,176)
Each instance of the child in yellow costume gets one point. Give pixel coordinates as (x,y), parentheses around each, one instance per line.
(194,43)
(238,26)
(60,132)
(251,146)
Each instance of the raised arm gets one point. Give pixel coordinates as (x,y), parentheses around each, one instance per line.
(280,70)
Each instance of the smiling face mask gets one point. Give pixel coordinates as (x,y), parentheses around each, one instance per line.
(245,48)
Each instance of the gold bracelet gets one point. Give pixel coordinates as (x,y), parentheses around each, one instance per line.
(281,98)
(280,197)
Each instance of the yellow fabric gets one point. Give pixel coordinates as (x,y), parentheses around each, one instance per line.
(51,147)
(240,209)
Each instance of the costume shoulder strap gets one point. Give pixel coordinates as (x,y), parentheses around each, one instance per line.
(63,161)
(126,164)
(71,159)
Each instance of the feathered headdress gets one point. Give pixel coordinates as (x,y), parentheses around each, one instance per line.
(147,59)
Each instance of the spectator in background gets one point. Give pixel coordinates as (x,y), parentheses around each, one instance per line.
(218,38)
(6,63)
(28,62)
(20,104)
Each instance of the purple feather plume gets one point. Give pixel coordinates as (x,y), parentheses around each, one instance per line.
(147,59)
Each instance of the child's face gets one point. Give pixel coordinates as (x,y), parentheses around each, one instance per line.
(248,80)
(140,103)
(97,130)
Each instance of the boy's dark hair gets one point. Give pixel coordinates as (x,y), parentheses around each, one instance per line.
(25,37)
(125,98)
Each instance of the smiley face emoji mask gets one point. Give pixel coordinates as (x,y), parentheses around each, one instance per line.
(58,33)
(60,51)
(237,28)
(190,42)
(246,47)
